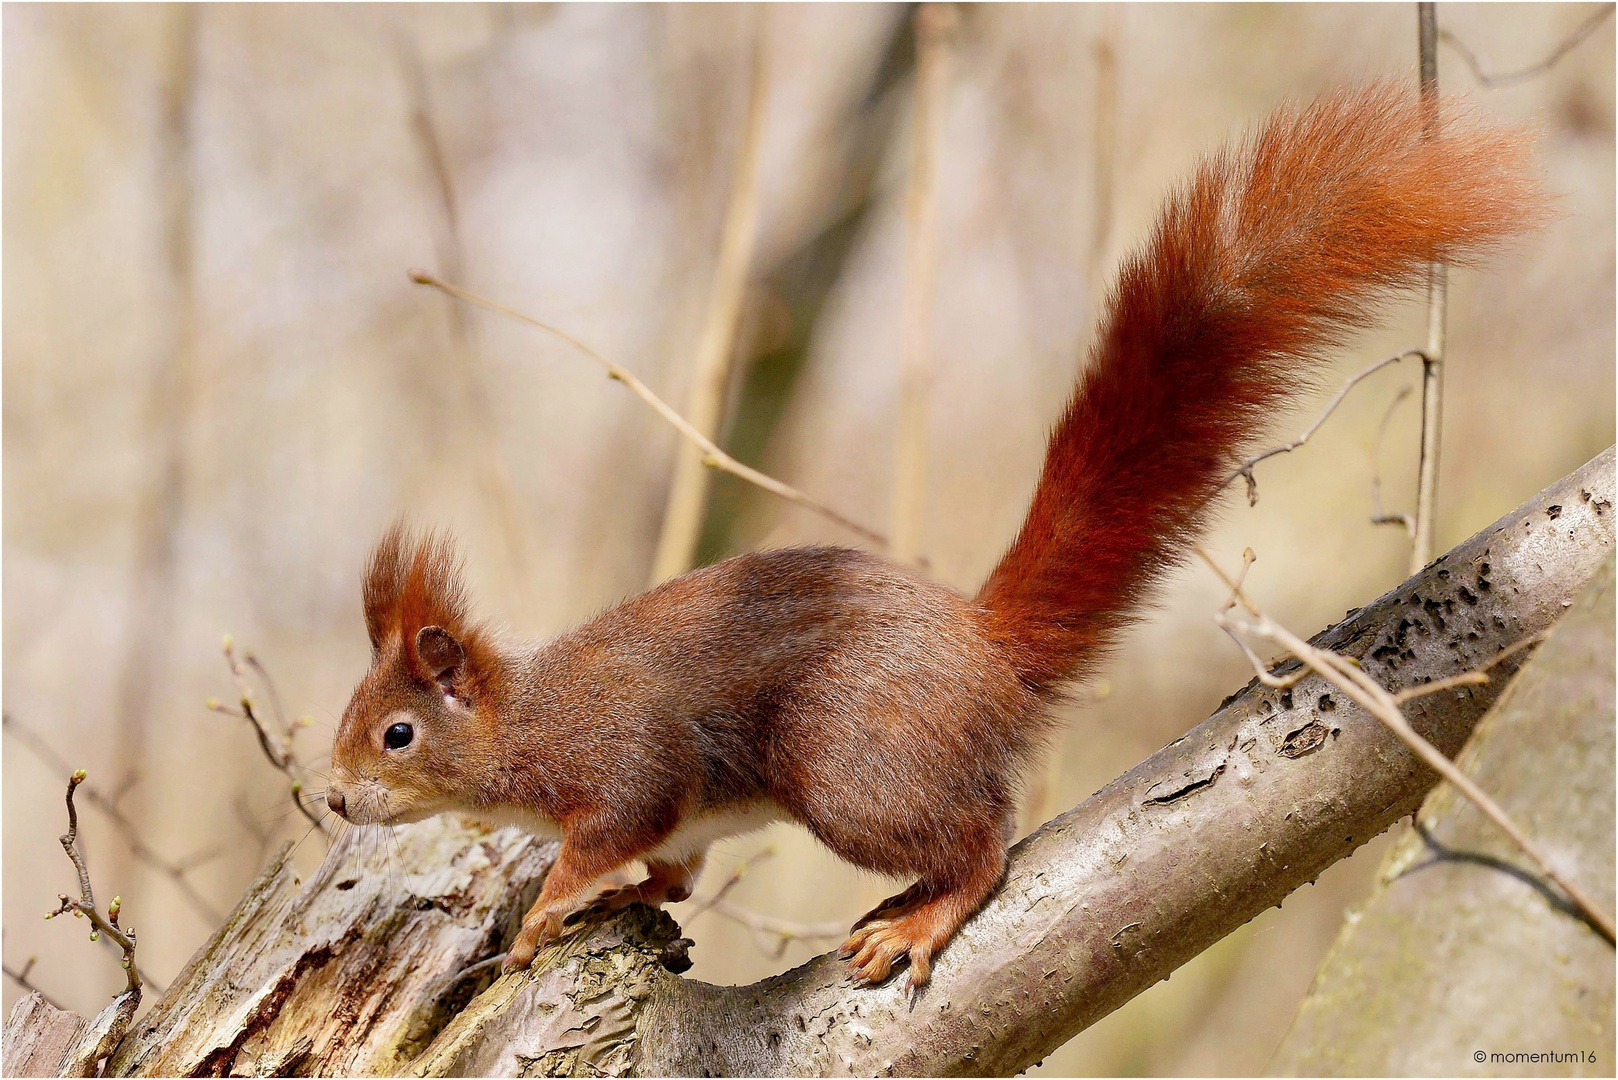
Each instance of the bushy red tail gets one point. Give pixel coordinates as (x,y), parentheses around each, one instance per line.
(1269,255)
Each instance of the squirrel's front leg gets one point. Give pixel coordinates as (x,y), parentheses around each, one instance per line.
(588,852)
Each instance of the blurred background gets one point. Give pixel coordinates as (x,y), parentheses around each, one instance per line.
(220,385)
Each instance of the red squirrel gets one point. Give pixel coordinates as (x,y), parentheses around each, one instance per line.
(886,713)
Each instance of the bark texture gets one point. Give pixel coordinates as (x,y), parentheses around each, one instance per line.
(352,972)
(1462,949)
(38,1036)
(349,973)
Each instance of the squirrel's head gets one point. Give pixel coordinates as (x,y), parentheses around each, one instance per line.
(409,742)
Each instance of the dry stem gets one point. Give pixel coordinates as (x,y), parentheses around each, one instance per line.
(702,904)
(282,756)
(1432,360)
(1378,515)
(1371,696)
(710,381)
(713,457)
(1584,30)
(1245,469)
(933,23)
(85,905)
(108,805)
(763,927)
(783,931)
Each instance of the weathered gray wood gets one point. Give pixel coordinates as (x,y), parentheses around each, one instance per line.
(100,1037)
(347,973)
(38,1036)
(1462,948)
(572,1014)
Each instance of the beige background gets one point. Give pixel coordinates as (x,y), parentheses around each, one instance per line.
(219,386)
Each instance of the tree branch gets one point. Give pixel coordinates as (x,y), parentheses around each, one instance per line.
(1567,45)
(1245,469)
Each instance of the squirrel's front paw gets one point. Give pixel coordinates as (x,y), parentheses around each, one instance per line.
(517,959)
(538,930)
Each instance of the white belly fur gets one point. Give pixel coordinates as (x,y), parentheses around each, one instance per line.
(695,834)
(691,837)
(527,821)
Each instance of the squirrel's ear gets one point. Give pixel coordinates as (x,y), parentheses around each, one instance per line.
(440,653)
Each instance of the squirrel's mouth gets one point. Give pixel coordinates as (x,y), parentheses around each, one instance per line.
(371,802)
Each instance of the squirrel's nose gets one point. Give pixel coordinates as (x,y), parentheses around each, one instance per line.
(335,800)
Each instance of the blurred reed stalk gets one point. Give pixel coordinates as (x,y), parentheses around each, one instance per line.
(711,364)
(933,25)
(1105,48)
(170,413)
(494,478)
(1432,361)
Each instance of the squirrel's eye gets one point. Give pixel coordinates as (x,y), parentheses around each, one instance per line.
(398,736)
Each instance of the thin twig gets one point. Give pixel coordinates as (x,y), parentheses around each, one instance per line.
(275,698)
(174,871)
(1476,677)
(784,931)
(494,478)
(22,980)
(763,927)
(1371,696)
(933,24)
(713,457)
(281,757)
(1568,44)
(1432,360)
(85,905)
(703,903)
(1378,515)
(715,351)
(1245,469)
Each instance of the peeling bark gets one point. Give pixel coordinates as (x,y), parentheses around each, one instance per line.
(351,973)
(38,1037)
(572,1014)
(1462,948)
(347,974)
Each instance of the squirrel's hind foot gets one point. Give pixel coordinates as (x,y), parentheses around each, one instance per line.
(914,925)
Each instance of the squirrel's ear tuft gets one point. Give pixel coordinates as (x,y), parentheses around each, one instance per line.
(384,581)
(441,656)
(412,582)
